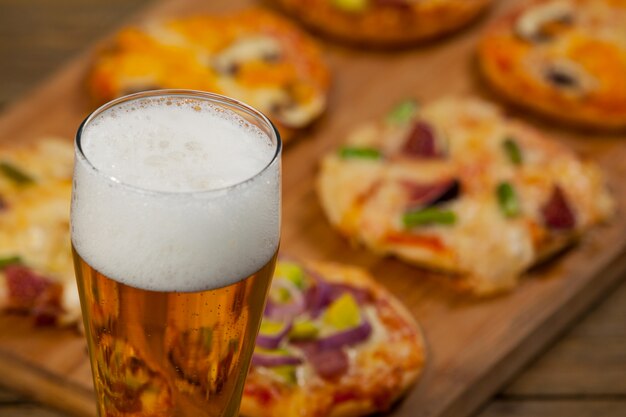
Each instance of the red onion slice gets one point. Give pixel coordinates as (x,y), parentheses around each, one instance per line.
(272,341)
(273,360)
(318,296)
(557,213)
(322,294)
(285,311)
(348,337)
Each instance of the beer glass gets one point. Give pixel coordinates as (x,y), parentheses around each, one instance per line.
(175,225)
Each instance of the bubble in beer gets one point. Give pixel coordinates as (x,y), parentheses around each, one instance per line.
(175,195)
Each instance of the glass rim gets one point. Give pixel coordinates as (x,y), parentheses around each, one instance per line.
(216,99)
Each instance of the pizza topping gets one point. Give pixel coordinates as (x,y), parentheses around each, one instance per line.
(323,294)
(292,272)
(271,333)
(513,151)
(568,76)
(33,293)
(421,142)
(24,285)
(557,213)
(297,114)
(15,174)
(285,301)
(3,204)
(507,199)
(318,296)
(421,195)
(351,152)
(329,364)
(343,313)
(541,23)
(303,330)
(349,337)
(428,216)
(403,112)
(560,78)
(264,48)
(272,358)
(351,6)
(9,260)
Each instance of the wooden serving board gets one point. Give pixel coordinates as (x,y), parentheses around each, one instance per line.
(474,346)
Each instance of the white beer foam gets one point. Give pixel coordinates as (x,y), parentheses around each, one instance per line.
(168,197)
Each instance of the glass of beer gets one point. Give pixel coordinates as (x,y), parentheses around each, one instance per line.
(175,227)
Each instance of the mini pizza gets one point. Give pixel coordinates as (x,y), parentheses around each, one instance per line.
(253,56)
(457,187)
(36,269)
(385,22)
(563,58)
(332,343)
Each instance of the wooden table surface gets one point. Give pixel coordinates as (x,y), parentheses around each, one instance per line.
(583,374)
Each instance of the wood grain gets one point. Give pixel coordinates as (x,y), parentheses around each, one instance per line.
(590,360)
(29,410)
(594,408)
(51,38)
(474,346)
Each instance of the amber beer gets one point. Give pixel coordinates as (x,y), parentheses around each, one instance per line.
(167,353)
(175,228)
